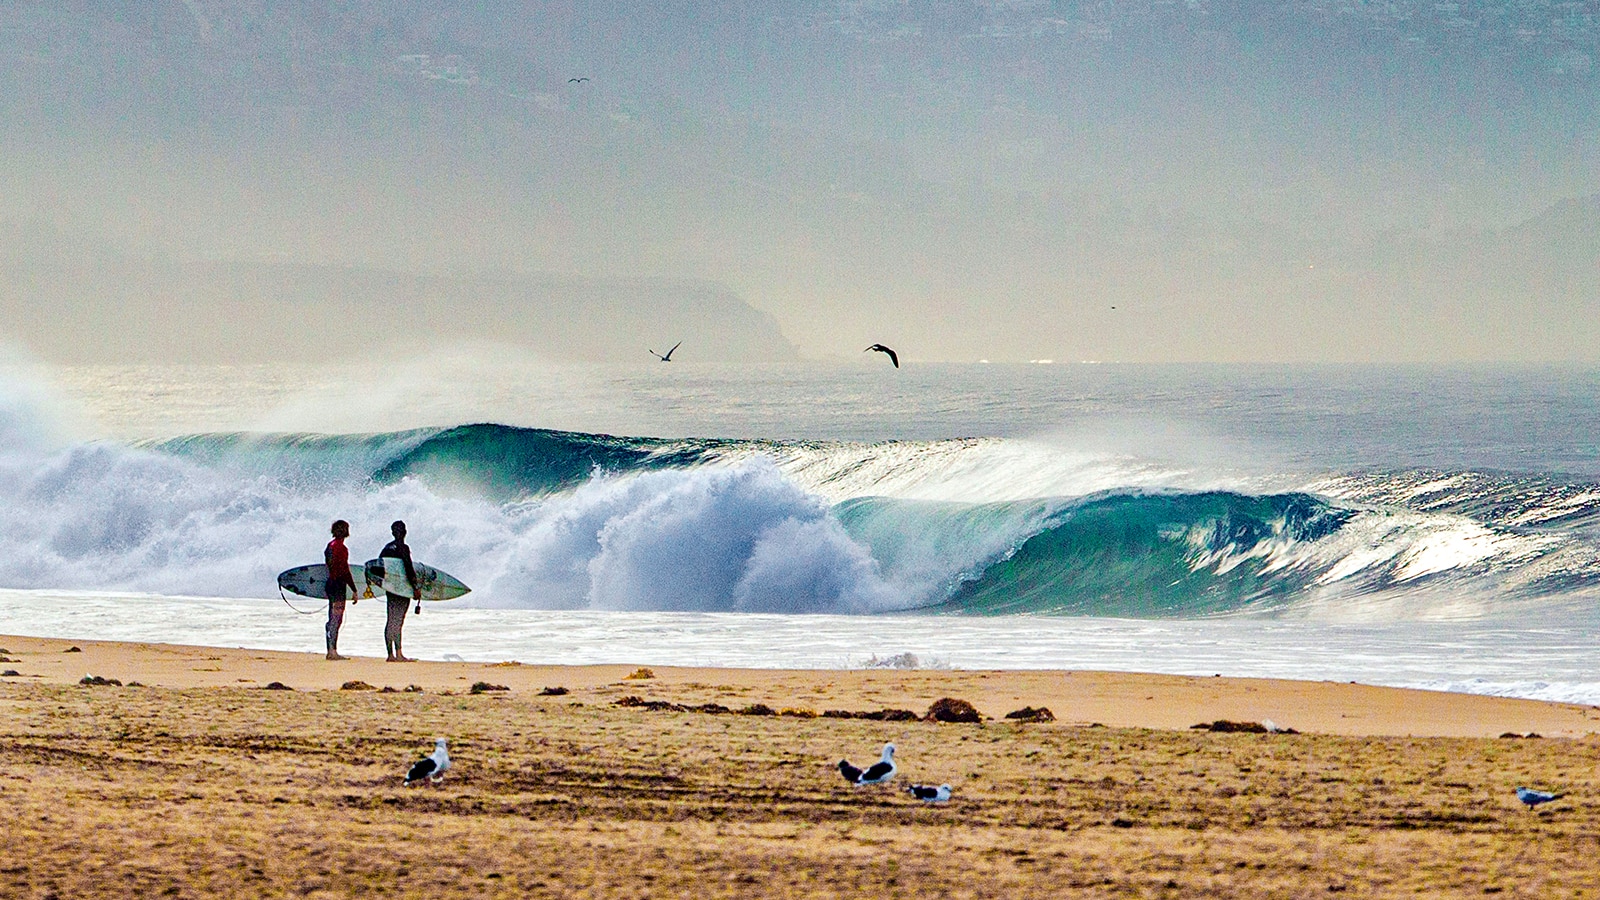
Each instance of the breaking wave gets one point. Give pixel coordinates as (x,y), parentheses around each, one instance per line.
(557,520)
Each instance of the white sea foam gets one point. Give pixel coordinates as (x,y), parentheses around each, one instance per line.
(104,516)
(1549,656)
(742,538)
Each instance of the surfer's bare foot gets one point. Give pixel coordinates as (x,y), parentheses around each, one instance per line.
(337,656)
(400,659)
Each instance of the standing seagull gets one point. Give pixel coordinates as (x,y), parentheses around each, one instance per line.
(893,357)
(432,767)
(668,357)
(877,773)
(927,793)
(1534,798)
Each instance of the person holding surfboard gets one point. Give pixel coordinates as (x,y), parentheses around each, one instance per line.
(398,549)
(337,557)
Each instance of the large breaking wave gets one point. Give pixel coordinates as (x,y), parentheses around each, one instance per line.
(557,520)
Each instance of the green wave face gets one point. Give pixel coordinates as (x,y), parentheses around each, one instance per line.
(512,463)
(1155,556)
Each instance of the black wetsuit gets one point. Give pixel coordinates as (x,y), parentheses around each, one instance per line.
(397,549)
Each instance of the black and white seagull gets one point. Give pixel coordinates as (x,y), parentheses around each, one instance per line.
(432,767)
(1534,798)
(668,356)
(893,356)
(877,773)
(579,80)
(927,793)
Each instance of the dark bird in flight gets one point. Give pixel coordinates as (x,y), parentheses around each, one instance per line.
(893,357)
(576,80)
(668,356)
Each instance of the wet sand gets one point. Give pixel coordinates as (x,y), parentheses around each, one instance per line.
(200,782)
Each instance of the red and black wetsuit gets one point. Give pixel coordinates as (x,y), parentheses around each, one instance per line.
(341,584)
(337,556)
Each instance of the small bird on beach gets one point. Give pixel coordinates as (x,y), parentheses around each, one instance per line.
(432,767)
(877,773)
(927,793)
(1533,798)
(668,357)
(893,356)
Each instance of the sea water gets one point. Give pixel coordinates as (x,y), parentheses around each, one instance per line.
(1427,527)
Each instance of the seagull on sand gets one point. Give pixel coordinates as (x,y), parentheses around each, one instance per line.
(1534,798)
(877,773)
(893,356)
(432,767)
(668,357)
(927,793)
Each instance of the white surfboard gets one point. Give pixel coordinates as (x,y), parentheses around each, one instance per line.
(312,581)
(389,574)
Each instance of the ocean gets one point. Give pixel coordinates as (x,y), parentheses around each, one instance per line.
(1413,526)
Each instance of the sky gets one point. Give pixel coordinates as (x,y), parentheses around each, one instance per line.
(1302,181)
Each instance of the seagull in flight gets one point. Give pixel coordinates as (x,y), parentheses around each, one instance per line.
(927,793)
(893,357)
(877,773)
(432,767)
(1534,798)
(668,356)
(580,80)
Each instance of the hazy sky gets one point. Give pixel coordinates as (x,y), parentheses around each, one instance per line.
(1006,179)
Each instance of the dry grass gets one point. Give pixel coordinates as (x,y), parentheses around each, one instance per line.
(126,791)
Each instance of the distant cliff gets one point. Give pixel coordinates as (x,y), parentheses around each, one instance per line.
(143,310)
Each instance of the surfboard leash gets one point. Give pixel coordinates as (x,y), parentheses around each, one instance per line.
(303,612)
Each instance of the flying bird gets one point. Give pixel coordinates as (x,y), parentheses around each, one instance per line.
(893,357)
(432,767)
(1534,798)
(927,793)
(877,773)
(577,80)
(668,357)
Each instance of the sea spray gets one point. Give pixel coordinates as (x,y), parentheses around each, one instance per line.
(740,538)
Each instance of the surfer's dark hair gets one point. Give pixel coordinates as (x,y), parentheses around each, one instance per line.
(398,528)
(338,525)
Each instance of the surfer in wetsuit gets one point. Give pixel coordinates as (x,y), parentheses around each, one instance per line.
(398,549)
(340,584)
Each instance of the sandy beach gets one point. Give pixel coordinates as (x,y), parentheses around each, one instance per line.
(192,778)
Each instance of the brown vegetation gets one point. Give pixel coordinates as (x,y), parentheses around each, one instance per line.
(117,791)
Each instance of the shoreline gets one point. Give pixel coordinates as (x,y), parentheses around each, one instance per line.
(1112,699)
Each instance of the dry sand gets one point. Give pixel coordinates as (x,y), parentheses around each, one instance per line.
(200,782)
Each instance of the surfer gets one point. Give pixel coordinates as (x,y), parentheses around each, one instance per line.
(340,581)
(399,549)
